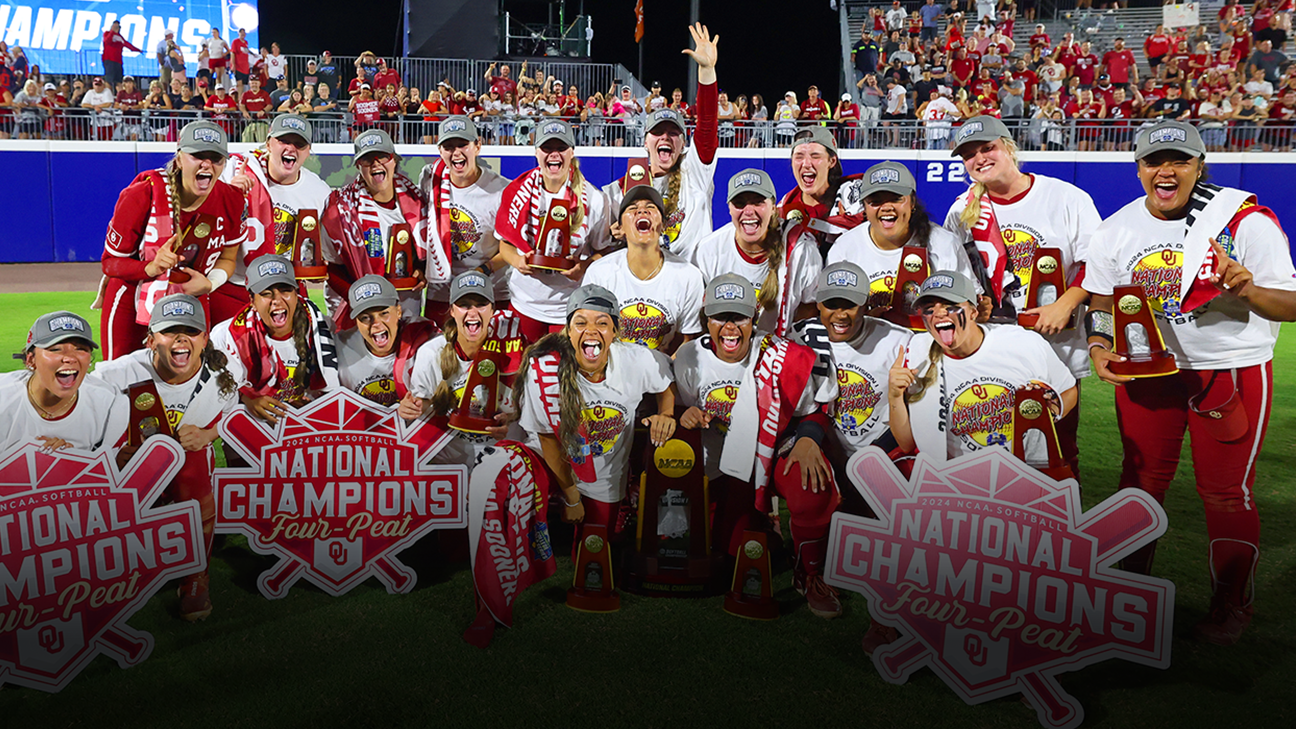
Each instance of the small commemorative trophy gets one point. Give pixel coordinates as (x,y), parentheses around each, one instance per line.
(476,411)
(400,257)
(904,295)
(752,594)
(672,555)
(191,245)
(592,589)
(147,415)
(308,264)
(1047,283)
(1031,414)
(638,172)
(553,246)
(1137,338)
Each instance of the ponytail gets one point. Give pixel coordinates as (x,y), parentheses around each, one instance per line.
(577,183)
(302,326)
(218,363)
(775,247)
(443,400)
(174,183)
(929,379)
(571,404)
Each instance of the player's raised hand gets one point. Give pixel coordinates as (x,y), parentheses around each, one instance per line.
(242,181)
(1230,276)
(705,53)
(164,260)
(900,378)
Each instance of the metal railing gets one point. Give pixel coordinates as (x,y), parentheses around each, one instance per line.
(595,131)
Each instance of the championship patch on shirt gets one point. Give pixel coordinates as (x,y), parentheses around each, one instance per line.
(604,421)
(982,413)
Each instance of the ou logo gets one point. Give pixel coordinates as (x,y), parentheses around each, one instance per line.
(50,638)
(980,392)
(1168,257)
(337,553)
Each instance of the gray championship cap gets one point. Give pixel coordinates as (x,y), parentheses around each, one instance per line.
(472,282)
(816,133)
(556,129)
(286,124)
(371,292)
(204,136)
(59,326)
(641,192)
(729,294)
(457,127)
(750,180)
(948,286)
(979,129)
(665,116)
(593,297)
(177,310)
(1169,135)
(889,177)
(270,270)
(373,140)
(843,280)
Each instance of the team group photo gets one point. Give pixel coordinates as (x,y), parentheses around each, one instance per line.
(338,404)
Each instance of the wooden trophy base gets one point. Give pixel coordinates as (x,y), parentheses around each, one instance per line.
(1155,365)
(752,593)
(469,424)
(310,273)
(176,276)
(592,601)
(675,577)
(551,263)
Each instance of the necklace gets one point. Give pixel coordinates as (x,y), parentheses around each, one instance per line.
(46,414)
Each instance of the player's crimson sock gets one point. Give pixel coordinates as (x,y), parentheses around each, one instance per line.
(194,483)
(1068,429)
(482,630)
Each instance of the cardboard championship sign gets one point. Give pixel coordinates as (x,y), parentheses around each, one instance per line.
(336,489)
(996,580)
(82,549)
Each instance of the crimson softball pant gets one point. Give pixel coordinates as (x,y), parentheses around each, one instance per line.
(119,334)
(533,329)
(1067,430)
(810,515)
(1153,415)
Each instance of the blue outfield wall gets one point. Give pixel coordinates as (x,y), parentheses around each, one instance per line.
(61,194)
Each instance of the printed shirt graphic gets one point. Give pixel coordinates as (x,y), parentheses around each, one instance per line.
(1140,248)
(707,382)
(861,412)
(362,372)
(944,252)
(652,311)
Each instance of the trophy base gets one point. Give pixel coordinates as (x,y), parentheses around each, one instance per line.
(675,577)
(593,601)
(551,263)
(176,276)
(751,608)
(909,321)
(310,273)
(1155,365)
(469,424)
(403,284)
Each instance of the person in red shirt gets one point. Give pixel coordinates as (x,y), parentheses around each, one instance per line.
(1040,39)
(1200,61)
(1241,43)
(1119,64)
(1023,73)
(360,80)
(129,100)
(847,117)
(984,86)
(255,107)
(386,76)
(1181,54)
(503,83)
(1277,133)
(963,69)
(1089,112)
(1156,47)
(222,106)
(1085,65)
(239,52)
(365,109)
(814,108)
(569,106)
(1066,51)
(113,44)
(1105,91)
(390,107)
(1120,109)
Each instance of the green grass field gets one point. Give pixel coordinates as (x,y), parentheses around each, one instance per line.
(373,659)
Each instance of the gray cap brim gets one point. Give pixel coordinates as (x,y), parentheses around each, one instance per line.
(979,129)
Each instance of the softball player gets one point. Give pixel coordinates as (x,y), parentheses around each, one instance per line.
(1217,273)
(376,357)
(824,203)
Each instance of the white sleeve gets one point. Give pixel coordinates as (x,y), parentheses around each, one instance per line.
(1101,270)
(532,418)
(954,222)
(222,339)
(599,238)
(1056,374)
(685,368)
(654,368)
(691,303)
(1265,252)
(425,373)
(1086,221)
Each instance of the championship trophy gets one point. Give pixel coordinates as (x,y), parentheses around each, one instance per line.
(1031,414)
(904,295)
(1047,283)
(672,555)
(752,594)
(191,245)
(308,264)
(1137,338)
(476,411)
(553,250)
(638,172)
(147,415)
(400,257)
(592,591)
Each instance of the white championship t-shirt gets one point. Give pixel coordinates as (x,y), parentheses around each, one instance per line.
(1222,334)
(411,301)
(364,373)
(472,237)
(197,401)
(95,423)
(309,192)
(632,372)
(652,311)
(981,388)
(691,221)
(1051,214)
(944,253)
(543,296)
(718,254)
(425,378)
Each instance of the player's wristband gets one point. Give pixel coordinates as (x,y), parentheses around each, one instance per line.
(810,429)
(217,277)
(1100,324)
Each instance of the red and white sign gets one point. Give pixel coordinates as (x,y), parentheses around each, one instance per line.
(82,548)
(996,579)
(336,489)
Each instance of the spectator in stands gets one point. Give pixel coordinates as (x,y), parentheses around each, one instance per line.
(366,66)
(1012,96)
(239,60)
(222,107)
(895,17)
(326,72)
(679,104)
(218,58)
(255,106)
(386,76)
(1156,47)
(364,107)
(1119,64)
(815,108)
(938,114)
(656,100)
(1173,107)
(279,93)
(931,14)
(158,101)
(99,99)
(191,104)
(1247,118)
(353,89)
(1230,15)
(536,84)
(162,53)
(54,104)
(1280,122)
(872,99)
(1214,113)
(865,56)
(113,44)
(276,66)
(30,114)
(1051,75)
(324,126)
(986,11)
(847,116)
(311,77)
(897,111)
(503,83)
(1040,38)
(1266,59)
